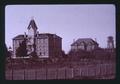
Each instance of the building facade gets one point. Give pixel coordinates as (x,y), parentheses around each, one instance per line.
(86,44)
(46,45)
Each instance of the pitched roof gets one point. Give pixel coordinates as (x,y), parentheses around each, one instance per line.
(85,40)
(19,37)
(32,24)
(48,34)
(39,36)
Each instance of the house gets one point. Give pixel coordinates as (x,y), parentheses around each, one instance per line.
(86,44)
(46,45)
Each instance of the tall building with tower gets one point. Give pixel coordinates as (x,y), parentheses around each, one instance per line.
(46,45)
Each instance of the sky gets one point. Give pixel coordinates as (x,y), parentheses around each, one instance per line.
(70,22)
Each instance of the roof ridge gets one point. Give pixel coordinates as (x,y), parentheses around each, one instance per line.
(18,36)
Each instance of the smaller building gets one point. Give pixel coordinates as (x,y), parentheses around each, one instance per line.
(86,44)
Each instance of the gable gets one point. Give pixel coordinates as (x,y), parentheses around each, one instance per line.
(87,41)
(32,24)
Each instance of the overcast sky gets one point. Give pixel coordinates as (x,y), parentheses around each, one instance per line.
(67,21)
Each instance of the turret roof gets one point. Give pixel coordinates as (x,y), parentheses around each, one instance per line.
(32,24)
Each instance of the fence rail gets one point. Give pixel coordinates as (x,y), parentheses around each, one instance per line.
(101,71)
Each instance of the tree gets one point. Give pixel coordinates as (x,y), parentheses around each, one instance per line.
(21,50)
(7,54)
(34,55)
(63,53)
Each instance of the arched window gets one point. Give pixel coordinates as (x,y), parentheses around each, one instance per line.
(89,46)
(81,46)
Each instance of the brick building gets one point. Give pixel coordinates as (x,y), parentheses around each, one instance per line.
(46,44)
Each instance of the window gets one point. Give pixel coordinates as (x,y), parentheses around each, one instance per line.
(72,47)
(41,41)
(44,53)
(81,47)
(89,43)
(46,40)
(82,43)
(40,53)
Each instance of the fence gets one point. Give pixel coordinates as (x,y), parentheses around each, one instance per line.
(101,71)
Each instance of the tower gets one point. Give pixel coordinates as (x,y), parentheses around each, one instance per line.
(32,31)
(110,43)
